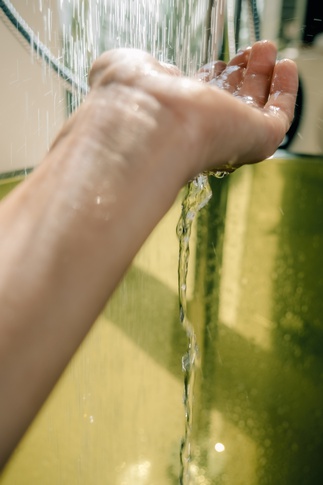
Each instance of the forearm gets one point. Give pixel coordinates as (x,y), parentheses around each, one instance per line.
(68,234)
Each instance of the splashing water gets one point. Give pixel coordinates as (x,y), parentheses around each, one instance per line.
(173,31)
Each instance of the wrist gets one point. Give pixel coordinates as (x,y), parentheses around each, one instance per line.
(132,130)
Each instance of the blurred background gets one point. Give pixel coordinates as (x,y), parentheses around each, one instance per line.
(255,271)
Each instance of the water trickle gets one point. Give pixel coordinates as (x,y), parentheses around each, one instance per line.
(172,31)
(198,193)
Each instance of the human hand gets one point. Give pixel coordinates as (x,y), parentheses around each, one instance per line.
(218,131)
(112,173)
(254,77)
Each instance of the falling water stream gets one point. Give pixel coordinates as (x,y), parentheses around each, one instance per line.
(198,194)
(264,435)
(178,31)
(173,31)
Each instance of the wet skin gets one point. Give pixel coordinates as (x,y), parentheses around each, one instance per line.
(69,232)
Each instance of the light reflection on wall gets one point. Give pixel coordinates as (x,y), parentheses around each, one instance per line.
(245,300)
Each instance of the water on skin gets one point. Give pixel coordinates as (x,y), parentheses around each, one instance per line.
(198,193)
(173,31)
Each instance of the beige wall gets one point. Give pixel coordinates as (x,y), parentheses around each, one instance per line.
(32,102)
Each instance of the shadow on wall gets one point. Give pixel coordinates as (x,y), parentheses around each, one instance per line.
(272,393)
(146,321)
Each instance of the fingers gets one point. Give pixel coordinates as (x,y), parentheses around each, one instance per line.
(256,84)
(255,77)
(248,75)
(231,77)
(283,90)
(271,88)
(211,71)
(272,121)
